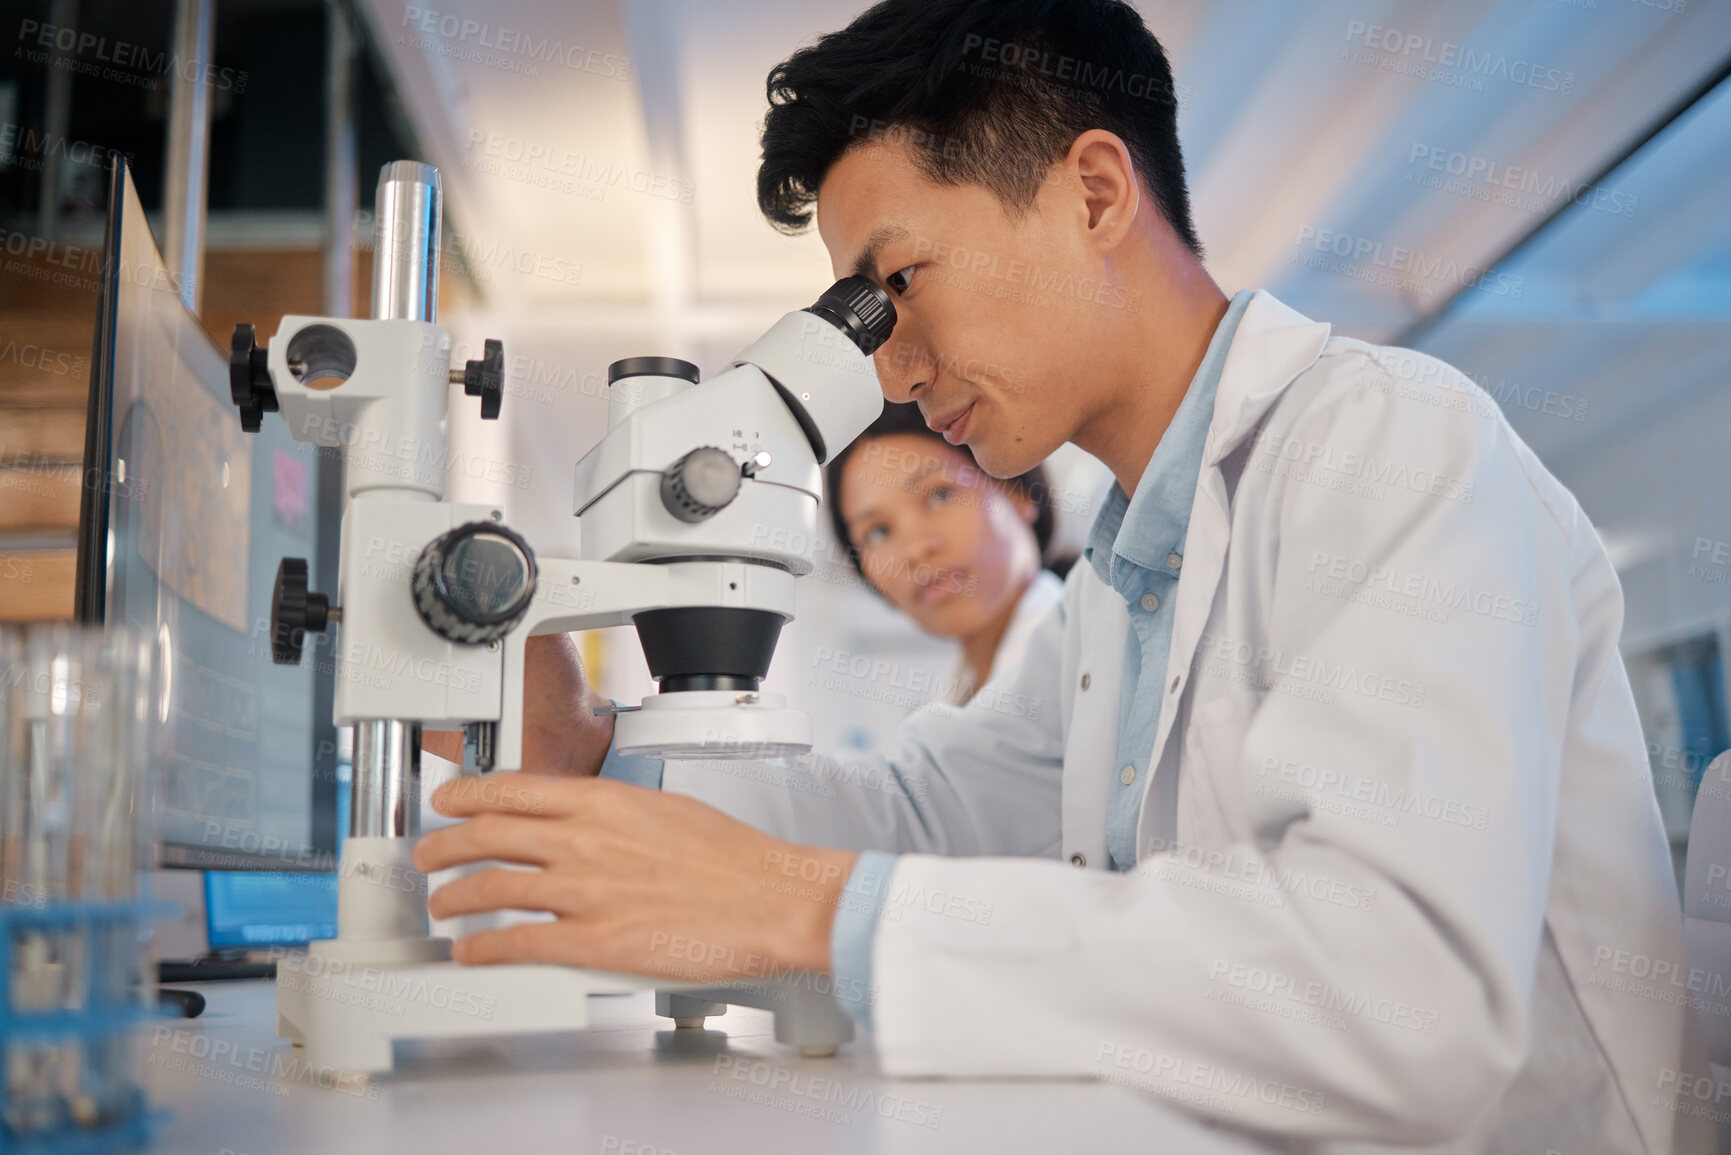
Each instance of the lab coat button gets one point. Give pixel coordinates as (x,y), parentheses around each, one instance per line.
(1176,678)
(1086,681)
(1150,602)
(1127,775)
(1078,860)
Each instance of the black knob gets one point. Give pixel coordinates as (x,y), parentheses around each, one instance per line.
(474,584)
(486,379)
(249,379)
(652,367)
(293,611)
(860,309)
(700,484)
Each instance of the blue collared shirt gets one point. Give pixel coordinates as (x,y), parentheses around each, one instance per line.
(637,769)
(1137,547)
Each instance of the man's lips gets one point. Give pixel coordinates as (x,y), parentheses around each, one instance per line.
(953,427)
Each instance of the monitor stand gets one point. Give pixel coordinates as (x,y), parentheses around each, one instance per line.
(214,967)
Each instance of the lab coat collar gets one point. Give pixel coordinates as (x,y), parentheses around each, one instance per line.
(1146,528)
(1273,345)
(1044,592)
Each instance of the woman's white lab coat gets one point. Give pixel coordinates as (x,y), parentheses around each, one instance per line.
(1401,864)
(1044,591)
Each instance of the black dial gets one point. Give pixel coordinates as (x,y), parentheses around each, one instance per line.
(486,379)
(249,379)
(474,584)
(700,484)
(293,611)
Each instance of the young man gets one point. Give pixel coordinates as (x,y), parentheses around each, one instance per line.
(1329,815)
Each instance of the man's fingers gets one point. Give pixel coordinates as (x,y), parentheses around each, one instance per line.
(554,942)
(502,888)
(514,793)
(505,837)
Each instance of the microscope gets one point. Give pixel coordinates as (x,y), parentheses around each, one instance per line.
(697,510)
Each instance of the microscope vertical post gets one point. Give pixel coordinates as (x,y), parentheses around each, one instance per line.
(386,766)
(385,799)
(406,243)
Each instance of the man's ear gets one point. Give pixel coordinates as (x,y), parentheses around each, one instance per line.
(1110,195)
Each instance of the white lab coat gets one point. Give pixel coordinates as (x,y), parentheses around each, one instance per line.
(1283,958)
(1044,592)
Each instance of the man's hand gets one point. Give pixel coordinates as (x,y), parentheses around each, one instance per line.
(561,732)
(634,877)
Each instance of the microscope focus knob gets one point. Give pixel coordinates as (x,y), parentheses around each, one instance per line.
(700,485)
(486,379)
(249,379)
(474,584)
(293,611)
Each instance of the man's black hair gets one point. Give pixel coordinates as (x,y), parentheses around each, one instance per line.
(906,418)
(987,92)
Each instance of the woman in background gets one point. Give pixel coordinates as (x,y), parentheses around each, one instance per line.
(959,552)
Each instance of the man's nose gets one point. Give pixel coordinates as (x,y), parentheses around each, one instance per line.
(904,369)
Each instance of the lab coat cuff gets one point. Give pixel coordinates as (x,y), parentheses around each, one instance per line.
(855,930)
(637,769)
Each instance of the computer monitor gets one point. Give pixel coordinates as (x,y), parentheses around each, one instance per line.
(249,910)
(183,522)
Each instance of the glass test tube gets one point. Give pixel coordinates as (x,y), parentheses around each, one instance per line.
(77,734)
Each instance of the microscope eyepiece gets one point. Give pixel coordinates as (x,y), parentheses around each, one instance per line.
(860,309)
(824,371)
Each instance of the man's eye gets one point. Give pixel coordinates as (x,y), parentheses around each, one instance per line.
(874,536)
(940,494)
(899,279)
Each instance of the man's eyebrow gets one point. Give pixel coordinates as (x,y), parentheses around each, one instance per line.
(868,258)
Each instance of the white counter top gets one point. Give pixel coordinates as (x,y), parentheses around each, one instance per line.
(629,1085)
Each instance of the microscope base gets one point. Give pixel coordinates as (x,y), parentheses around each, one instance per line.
(805,1018)
(348,1014)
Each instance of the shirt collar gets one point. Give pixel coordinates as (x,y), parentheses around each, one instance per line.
(1144,529)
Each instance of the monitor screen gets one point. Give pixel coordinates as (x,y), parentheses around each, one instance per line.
(247,910)
(183,542)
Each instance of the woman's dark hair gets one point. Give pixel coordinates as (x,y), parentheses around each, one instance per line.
(985,92)
(906,419)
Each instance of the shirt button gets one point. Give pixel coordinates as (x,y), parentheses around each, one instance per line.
(1127,775)
(1078,860)
(1173,561)
(1150,602)
(1086,681)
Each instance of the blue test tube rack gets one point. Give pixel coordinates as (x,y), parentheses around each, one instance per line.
(100,1013)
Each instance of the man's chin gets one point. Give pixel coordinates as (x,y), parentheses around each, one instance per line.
(1003,463)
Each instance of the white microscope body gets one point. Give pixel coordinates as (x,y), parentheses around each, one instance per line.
(698,509)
